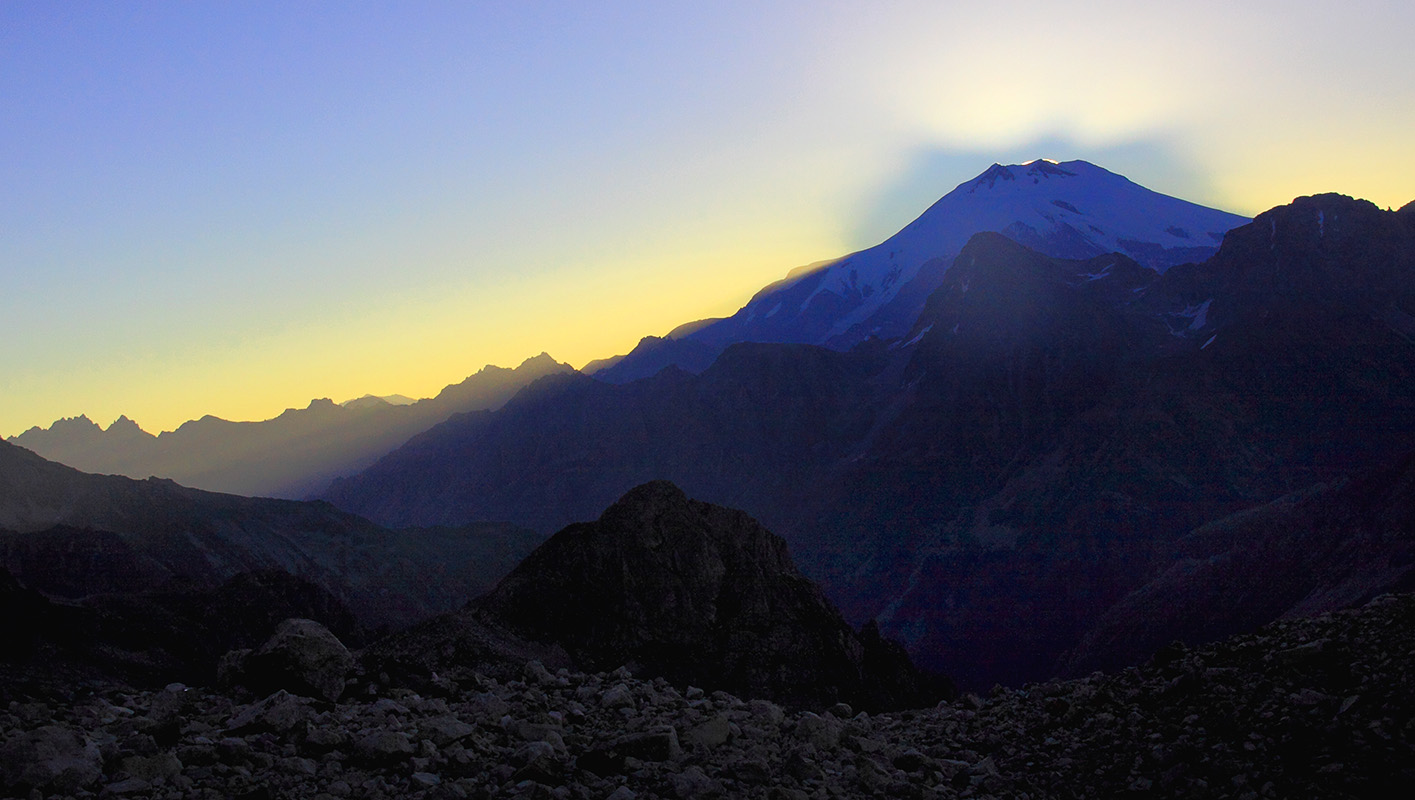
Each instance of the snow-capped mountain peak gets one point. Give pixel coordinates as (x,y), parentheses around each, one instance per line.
(1071,209)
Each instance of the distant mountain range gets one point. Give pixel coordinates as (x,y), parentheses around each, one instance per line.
(1029,453)
(1070,210)
(293,455)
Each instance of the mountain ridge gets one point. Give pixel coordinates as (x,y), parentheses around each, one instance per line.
(292,455)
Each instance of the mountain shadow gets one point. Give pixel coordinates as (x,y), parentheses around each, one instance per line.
(1016,463)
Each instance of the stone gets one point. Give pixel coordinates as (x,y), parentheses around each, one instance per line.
(534,731)
(751,771)
(694,783)
(912,760)
(535,673)
(538,763)
(655,745)
(821,732)
(52,758)
(426,780)
(384,747)
(324,738)
(163,766)
(618,696)
(231,669)
(767,712)
(801,765)
(281,712)
(445,730)
(303,657)
(127,786)
(609,759)
(710,734)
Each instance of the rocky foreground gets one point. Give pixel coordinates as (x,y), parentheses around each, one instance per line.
(1306,708)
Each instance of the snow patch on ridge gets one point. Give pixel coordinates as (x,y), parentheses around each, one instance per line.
(1095,276)
(920,335)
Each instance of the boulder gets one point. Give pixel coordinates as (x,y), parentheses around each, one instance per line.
(53,758)
(302,657)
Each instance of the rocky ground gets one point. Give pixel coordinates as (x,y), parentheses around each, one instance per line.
(1308,708)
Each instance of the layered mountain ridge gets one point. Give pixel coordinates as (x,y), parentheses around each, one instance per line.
(290,456)
(71,534)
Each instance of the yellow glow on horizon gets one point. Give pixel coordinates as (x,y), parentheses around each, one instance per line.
(503,214)
(419,343)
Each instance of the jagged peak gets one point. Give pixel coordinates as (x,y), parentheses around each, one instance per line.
(1047,168)
(991,176)
(544,359)
(1036,168)
(124,425)
(72,423)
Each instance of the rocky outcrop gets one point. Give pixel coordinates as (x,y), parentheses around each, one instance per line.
(699,594)
(671,588)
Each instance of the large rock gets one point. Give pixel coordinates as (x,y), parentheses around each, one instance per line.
(54,758)
(302,657)
(699,594)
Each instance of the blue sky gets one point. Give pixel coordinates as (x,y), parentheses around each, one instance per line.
(232,208)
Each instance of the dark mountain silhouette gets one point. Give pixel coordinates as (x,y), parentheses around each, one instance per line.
(992,483)
(692,592)
(70,534)
(1073,210)
(293,455)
